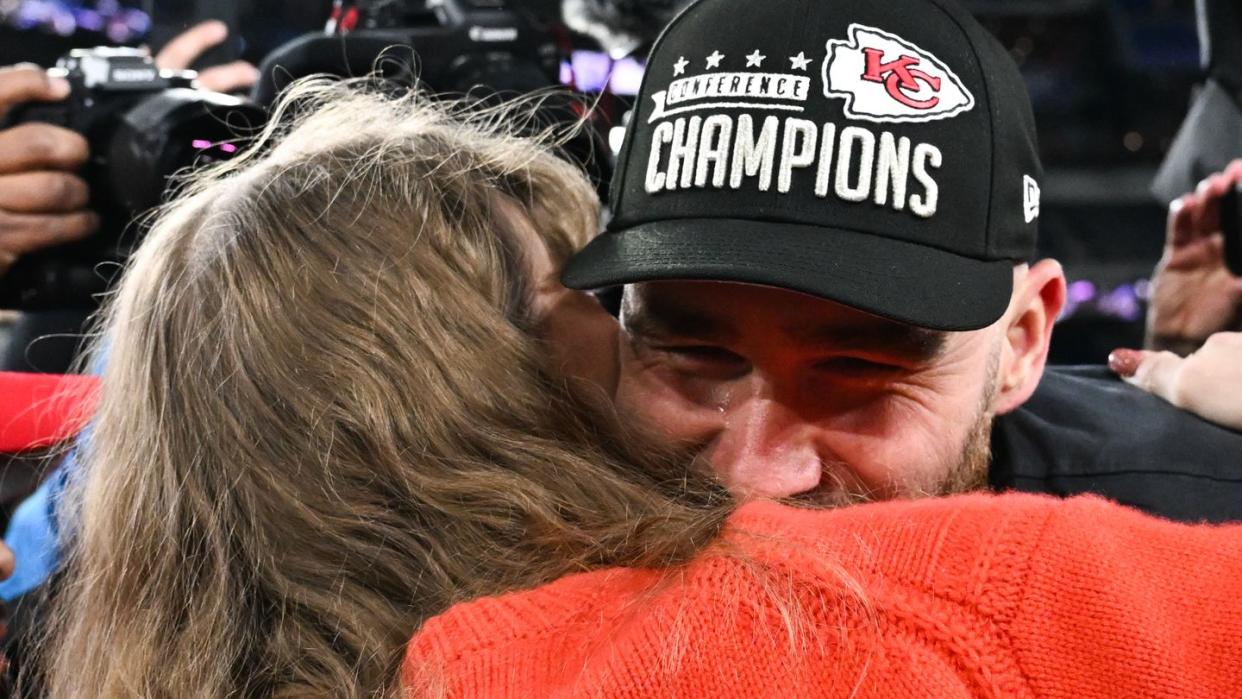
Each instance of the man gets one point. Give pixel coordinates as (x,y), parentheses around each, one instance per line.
(824,217)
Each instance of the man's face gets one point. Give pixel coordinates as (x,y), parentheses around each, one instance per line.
(787,395)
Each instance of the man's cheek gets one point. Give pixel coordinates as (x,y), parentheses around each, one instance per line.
(896,441)
(878,412)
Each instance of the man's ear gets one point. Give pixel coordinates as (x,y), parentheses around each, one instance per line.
(1038,297)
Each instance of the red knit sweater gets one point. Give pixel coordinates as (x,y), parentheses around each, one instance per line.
(976,596)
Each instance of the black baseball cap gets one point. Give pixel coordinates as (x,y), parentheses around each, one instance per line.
(877,154)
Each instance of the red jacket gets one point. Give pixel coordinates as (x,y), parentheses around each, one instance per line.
(975,596)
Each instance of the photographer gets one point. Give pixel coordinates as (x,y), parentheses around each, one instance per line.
(43,200)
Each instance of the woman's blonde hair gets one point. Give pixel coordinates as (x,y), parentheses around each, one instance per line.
(324,416)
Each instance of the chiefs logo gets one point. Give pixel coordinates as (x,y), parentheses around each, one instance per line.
(886,79)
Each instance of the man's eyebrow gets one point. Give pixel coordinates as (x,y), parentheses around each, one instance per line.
(883,337)
(656,318)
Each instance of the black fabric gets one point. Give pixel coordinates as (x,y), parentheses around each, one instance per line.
(898,280)
(44,342)
(1085,431)
(1220,33)
(20,476)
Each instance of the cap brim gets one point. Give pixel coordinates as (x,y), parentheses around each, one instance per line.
(903,281)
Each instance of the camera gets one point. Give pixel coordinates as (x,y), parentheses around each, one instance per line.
(488,50)
(461,44)
(1231,228)
(143,126)
(447,46)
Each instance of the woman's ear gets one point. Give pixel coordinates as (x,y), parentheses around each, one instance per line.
(1038,297)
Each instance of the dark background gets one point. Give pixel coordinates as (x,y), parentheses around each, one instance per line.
(1110,80)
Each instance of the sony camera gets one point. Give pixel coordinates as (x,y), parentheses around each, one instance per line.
(143,126)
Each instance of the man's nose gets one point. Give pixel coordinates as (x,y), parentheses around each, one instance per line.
(765,449)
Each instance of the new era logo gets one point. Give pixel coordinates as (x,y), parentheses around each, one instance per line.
(1030,198)
(885,78)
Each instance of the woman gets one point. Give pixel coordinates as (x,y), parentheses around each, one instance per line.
(334,406)
(327,413)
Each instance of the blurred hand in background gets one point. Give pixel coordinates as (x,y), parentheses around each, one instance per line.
(1193,293)
(182,51)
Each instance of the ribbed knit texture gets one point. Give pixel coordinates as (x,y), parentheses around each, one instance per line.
(975,596)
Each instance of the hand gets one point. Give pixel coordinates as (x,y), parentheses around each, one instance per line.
(42,203)
(190,44)
(1208,383)
(1193,294)
(7,562)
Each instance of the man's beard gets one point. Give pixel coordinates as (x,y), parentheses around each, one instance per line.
(971,472)
(967,475)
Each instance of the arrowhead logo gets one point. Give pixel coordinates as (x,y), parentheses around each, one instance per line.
(885,78)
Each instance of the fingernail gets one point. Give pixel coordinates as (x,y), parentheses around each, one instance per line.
(1125,362)
(57,87)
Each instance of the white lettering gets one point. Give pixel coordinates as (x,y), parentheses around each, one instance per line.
(925,154)
(797,150)
(753,156)
(824,176)
(492,34)
(762,86)
(681,153)
(852,163)
(134,75)
(850,136)
(892,170)
(662,134)
(714,150)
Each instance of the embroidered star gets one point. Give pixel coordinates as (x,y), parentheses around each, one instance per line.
(799,62)
(755,60)
(713,61)
(680,66)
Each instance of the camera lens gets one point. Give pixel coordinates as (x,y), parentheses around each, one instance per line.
(170,132)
